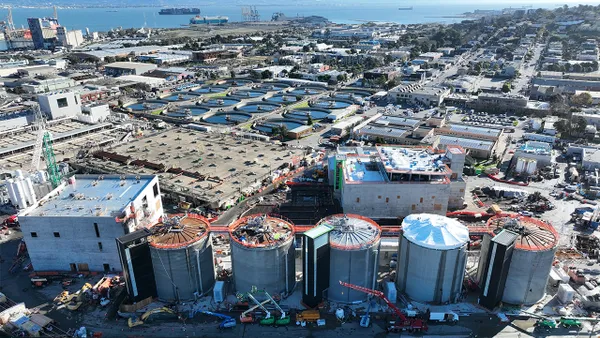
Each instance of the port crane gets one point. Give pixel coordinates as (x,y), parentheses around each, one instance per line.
(43,143)
(403,323)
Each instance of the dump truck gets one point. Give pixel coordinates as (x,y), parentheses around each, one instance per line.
(307,316)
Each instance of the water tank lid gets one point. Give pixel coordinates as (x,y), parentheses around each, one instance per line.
(435,231)
(351,232)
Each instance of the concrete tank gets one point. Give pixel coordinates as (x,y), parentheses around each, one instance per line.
(354,254)
(531,260)
(262,254)
(182,257)
(432,255)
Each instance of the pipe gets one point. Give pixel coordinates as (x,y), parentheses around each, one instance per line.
(287,280)
(199,272)
(375,266)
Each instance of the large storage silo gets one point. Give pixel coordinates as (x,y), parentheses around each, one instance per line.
(182,257)
(262,254)
(431,258)
(531,259)
(354,253)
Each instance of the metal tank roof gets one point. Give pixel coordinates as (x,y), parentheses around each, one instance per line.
(179,231)
(261,230)
(534,235)
(435,231)
(351,232)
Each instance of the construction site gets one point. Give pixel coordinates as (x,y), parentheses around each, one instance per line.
(212,171)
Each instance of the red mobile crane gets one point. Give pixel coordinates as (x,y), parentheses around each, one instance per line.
(403,323)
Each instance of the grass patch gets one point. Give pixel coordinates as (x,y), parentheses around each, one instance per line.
(214,95)
(300,105)
(247,126)
(157,112)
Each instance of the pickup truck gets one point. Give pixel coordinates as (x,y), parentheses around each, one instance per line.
(443,317)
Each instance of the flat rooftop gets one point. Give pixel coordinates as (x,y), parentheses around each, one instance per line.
(182,157)
(403,159)
(396,121)
(466,142)
(92,195)
(539,148)
(361,169)
(460,128)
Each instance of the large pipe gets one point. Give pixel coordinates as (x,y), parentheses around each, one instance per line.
(199,272)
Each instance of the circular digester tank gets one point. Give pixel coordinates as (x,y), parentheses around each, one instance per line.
(354,253)
(182,257)
(432,255)
(532,257)
(262,253)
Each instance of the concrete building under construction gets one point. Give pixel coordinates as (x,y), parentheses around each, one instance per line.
(74,227)
(392,181)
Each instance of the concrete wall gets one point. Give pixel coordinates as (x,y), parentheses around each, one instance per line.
(457,194)
(391,200)
(94,114)
(49,104)
(77,243)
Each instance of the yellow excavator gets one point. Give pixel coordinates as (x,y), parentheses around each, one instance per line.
(74,301)
(133,322)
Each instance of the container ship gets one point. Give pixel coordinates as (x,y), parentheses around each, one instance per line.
(408,8)
(208,20)
(179,11)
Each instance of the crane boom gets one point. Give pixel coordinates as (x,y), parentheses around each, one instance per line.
(259,304)
(405,322)
(283,314)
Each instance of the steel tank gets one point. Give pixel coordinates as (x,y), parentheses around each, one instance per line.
(354,254)
(182,257)
(532,257)
(432,255)
(263,254)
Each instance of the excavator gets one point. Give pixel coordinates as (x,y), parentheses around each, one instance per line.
(403,323)
(132,322)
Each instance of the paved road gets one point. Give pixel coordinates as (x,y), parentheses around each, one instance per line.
(527,71)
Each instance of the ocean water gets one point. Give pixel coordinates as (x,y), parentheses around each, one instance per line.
(99,19)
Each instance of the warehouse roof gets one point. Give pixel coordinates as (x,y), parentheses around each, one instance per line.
(396,121)
(92,195)
(460,128)
(435,231)
(382,131)
(466,142)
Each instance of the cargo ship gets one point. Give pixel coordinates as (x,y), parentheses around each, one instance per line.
(179,11)
(208,20)
(408,8)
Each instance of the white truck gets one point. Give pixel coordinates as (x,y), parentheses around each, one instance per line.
(444,317)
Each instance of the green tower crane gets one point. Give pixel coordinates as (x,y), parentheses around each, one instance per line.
(44,144)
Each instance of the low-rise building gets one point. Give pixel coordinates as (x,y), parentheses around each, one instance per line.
(425,96)
(94,113)
(128,68)
(74,228)
(474,148)
(48,85)
(535,150)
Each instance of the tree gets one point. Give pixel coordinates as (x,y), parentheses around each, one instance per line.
(232,73)
(562,127)
(580,124)
(583,99)
(266,74)
(309,121)
(342,77)
(306,49)
(506,87)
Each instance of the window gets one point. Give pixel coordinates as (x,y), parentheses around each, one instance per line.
(155,189)
(357,199)
(398,197)
(62,102)
(106,267)
(462,190)
(100,246)
(437,207)
(34,234)
(379,196)
(414,207)
(97,230)
(421,200)
(387,199)
(57,234)
(76,102)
